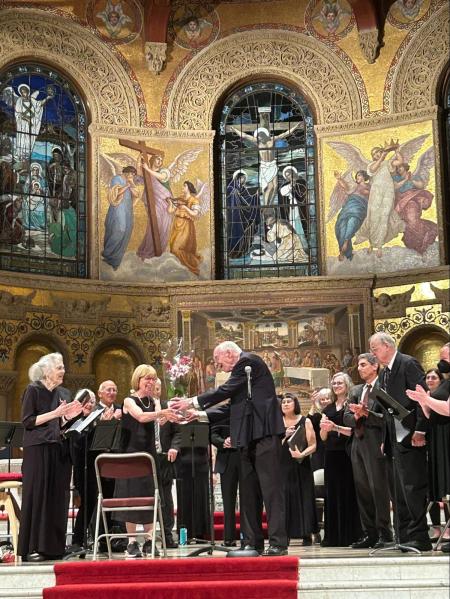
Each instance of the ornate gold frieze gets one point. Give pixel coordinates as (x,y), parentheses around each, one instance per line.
(304,61)
(391,305)
(15,306)
(80,309)
(414,317)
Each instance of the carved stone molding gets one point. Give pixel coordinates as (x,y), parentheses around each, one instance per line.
(80,310)
(155,311)
(94,66)
(417,75)
(386,305)
(15,304)
(155,55)
(306,63)
(368,42)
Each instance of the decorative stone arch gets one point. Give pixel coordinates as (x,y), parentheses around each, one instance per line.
(320,74)
(47,338)
(92,64)
(123,342)
(417,76)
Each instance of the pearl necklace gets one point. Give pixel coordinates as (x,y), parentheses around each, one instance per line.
(143,404)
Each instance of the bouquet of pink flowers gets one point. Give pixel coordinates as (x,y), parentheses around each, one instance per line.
(178,373)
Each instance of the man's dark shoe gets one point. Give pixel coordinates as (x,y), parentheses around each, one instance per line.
(171,544)
(364,543)
(259,550)
(445,548)
(420,545)
(306,541)
(273,551)
(229,543)
(36,557)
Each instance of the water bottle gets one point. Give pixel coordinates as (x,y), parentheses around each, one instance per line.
(183,536)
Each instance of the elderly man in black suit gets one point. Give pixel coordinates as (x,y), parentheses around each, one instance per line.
(400,373)
(365,417)
(256,428)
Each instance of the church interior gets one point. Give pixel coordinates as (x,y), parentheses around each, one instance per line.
(176,174)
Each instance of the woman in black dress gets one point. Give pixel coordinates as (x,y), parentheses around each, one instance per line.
(138,434)
(46,465)
(437,408)
(342,522)
(298,480)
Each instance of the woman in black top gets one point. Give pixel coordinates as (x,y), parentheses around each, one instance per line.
(298,480)
(138,434)
(46,465)
(342,524)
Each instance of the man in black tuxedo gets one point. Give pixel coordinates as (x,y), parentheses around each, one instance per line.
(365,417)
(402,372)
(228,466)
(256,428)
(168,439)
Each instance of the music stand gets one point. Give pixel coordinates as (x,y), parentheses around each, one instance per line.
(393,411)
(198,435)
(11,436)
(81,428)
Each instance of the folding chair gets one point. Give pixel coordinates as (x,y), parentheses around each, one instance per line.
(8,481)
(123,466)
(445,501)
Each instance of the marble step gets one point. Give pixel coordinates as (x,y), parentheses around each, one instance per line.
(17,582)
(375,578)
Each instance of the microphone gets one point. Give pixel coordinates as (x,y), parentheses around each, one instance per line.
(248,372)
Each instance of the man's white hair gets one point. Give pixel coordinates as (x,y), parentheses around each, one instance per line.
(229,345)
(384,338)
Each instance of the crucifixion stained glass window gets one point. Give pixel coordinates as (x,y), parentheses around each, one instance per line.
(267,222)
(42,173)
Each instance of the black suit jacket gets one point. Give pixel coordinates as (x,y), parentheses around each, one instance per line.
(219,433)
(405,374)
(249,421)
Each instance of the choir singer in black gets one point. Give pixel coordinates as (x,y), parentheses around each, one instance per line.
(256,428)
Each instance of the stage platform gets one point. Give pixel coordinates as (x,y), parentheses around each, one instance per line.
(325,573)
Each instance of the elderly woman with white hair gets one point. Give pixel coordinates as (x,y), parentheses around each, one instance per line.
(46,466)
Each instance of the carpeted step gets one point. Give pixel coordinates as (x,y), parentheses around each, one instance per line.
(180,570)
(219,589)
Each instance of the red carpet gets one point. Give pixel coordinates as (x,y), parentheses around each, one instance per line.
(221,578)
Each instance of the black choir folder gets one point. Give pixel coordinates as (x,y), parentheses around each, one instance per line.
(298,440)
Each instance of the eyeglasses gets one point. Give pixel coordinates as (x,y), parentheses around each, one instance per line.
(337,383)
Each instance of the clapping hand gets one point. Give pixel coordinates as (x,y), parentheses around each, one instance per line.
(358,410)
(170,414)
(326,424)
(419,395)
(68,410)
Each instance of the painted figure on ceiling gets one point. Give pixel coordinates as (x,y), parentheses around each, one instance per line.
(383,221)
(122,196)
(114,18)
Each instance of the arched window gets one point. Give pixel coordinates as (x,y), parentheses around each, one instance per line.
(267,224)
(42,173)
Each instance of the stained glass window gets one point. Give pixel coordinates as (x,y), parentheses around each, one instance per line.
(268,222)
(42,173)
